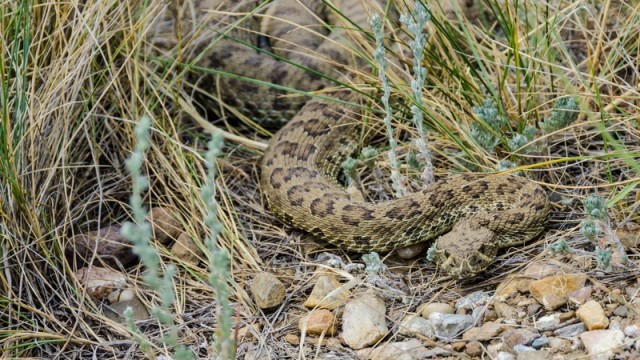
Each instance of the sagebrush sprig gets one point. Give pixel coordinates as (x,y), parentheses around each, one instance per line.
(416,24)
(397,180)
(139,233)
(219,276)
(565,111)
(489,114)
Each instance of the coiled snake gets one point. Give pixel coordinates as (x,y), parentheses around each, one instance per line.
(478,214)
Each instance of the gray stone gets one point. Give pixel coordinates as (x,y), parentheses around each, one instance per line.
(548,322)
(559,344)
(523,348)
(540,342)
(449,326)
(416,325)
(621,311)
(570,331)
(472,300)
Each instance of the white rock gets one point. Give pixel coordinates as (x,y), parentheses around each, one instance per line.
(363,321)
(548,322)
(632,331)
(600,344)
(503,355)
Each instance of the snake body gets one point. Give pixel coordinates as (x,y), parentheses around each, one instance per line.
(473,215)
(480,213)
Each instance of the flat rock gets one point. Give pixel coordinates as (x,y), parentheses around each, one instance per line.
(106,246)
(485,332)
(327,293)
(363,321)
(267,290)
(552,291)
(601,344)
(428,309)
(319,321)
(570,331)
(449,326)
(592,315)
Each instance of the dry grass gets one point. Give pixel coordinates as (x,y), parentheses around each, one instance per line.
(74,81)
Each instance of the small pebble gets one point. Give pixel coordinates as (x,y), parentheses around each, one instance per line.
(416,325)
(518,336)
(570,331)
(559,344)
(534,355)
(428,309)
(540,342)
(523,348)
(548,322)
(592,315)
(267,290)
(621,311)
(363,321)
(472,300)
(327,293)
(485,332)
(505,311)
(503,355)
(449,326)
(319,321)
(401,350)
(632,331)
(474,349)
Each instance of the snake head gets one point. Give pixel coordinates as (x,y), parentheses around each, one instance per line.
(466,250)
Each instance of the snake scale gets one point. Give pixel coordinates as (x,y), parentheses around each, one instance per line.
(471,216)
